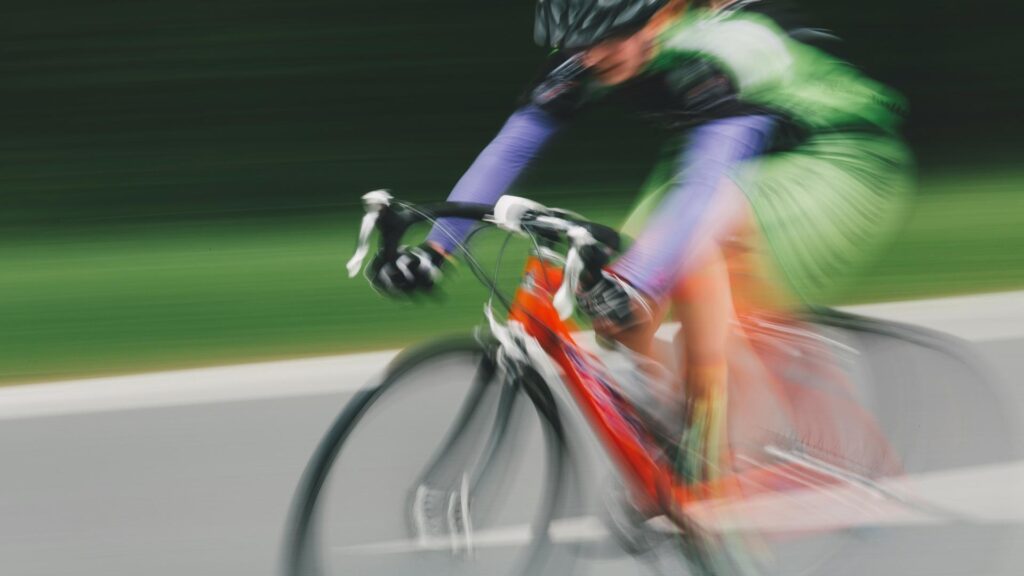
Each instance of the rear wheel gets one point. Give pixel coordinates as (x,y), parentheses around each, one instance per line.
(446,466)
(865,452)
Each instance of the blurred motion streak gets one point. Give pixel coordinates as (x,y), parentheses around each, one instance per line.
(180,188)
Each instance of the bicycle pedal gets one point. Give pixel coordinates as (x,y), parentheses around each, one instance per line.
(636,530)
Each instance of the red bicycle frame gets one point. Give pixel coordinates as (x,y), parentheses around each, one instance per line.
(609,415)
(647,470)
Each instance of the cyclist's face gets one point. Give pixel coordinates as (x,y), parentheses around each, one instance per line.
(616,60)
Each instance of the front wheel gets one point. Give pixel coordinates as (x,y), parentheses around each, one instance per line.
(440,468)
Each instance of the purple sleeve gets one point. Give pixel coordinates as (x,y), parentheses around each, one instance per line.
(714,150)
(496,168)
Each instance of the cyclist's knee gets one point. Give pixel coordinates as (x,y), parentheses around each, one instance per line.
(638,338)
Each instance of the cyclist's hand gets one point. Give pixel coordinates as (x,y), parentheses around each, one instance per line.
(613,305)
(416,269)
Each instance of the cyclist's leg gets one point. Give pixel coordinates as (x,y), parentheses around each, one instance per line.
(640,338)
(703,300)
(703,303)
(677,259)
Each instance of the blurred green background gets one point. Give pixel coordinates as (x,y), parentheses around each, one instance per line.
(180,180)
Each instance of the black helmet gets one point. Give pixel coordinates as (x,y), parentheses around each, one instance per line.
(578,23)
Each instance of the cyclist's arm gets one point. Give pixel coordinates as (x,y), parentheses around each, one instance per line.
(496,168)
(555,95)
(665,248)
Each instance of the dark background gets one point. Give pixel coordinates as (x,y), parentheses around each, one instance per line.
(180,180)
(159,109)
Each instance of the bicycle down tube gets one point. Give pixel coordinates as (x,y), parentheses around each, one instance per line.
(624,437)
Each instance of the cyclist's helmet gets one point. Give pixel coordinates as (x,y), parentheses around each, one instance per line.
(573,24)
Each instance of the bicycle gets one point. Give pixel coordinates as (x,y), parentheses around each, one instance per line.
(536,355)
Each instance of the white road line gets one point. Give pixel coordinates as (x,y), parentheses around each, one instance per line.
(981,318)
(977,495)
(981,495)
(978,317)
(283,379)
(568,530)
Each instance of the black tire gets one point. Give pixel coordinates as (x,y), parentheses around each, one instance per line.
(941,411)
(302,554)
(928,381)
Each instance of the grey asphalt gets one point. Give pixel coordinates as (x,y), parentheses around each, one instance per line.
(204,490)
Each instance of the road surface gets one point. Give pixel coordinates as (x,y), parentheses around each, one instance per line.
(192,472)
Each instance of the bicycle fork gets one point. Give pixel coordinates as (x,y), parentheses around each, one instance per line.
(440,502)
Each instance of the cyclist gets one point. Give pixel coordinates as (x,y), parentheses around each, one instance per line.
(782,172)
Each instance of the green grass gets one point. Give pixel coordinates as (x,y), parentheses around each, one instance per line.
(123,296)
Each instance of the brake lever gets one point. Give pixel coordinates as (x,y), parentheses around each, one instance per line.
(375,202)
(565,298)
